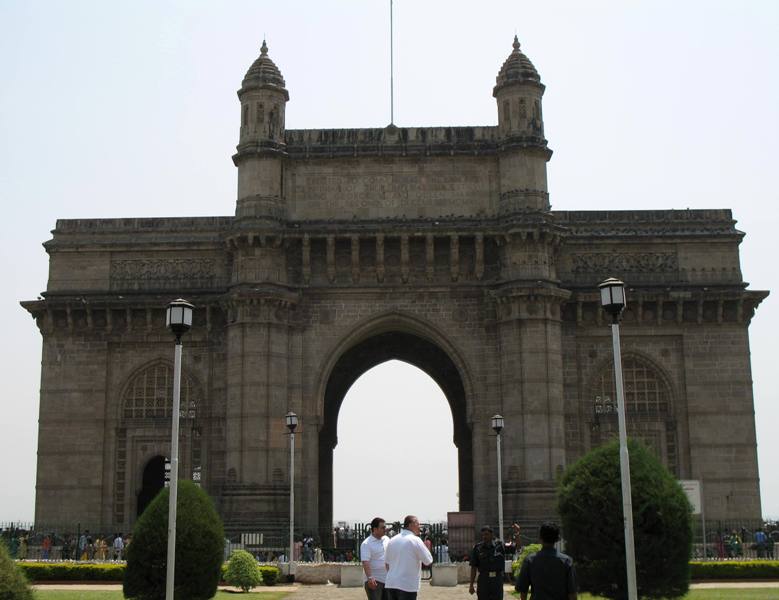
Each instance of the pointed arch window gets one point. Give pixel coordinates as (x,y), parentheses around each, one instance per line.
(149,394)
(649,408)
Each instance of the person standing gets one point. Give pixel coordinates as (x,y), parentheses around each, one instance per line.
(405,555)
(549,573)
(488,558)
(372,554)
(118,546)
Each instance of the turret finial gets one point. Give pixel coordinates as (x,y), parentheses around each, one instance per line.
(515,44)
(264,48)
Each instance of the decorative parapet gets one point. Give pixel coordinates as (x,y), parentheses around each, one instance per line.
(391,141)
(643,223)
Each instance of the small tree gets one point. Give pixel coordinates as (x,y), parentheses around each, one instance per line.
(13,584)
(199,548)
(590,506)
(242,571)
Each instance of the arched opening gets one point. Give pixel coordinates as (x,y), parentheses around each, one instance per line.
(365,355)
(153,482)
(394,425)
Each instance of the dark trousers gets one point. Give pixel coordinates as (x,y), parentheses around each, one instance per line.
(401,595)
(376,594)
(489,588)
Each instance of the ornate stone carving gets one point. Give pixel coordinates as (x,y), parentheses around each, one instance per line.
(601,262)
(162,273)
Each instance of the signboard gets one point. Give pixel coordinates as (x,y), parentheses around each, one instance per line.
(167,472)
(692,487)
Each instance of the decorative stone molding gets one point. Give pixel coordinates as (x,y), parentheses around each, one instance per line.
(162,273)
(623,262)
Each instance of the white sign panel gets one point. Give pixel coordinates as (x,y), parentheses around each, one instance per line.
(692,488)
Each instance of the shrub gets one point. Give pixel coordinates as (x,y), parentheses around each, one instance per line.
(13,585)
(270,575)
(732,569)
(523,554)
(590,505)
(39,571)
(199,548)
(242,571)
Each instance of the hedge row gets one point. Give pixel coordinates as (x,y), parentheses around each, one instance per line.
(44,571)
(735,569)
(51,571)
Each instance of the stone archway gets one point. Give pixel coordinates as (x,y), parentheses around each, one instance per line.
(153,481)
(366,354)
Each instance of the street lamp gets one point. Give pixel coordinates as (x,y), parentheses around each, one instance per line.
(612,299)
(292,423)
(497,425)
(179,320)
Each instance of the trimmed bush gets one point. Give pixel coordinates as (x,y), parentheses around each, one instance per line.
(523,554)
(242,571)
(590,506)
(13,585)
(735,569)
(40,571)
(199,548)
(270,575)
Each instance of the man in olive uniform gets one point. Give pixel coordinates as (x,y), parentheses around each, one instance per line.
(488,557)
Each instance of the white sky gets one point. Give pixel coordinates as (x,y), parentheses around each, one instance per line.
(129,109)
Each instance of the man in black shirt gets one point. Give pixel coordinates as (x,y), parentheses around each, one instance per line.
(549,573)
(488,557)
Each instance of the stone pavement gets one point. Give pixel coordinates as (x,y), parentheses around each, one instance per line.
(426,592)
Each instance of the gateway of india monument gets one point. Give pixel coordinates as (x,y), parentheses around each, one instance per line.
(350,247)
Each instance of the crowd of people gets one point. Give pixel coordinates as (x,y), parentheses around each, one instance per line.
(25,544)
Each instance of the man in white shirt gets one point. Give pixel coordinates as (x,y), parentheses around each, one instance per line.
(404,557)
(372,552)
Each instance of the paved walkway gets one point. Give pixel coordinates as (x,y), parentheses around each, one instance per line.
(333,592)
(427,592)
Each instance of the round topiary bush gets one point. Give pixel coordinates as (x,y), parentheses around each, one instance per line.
(199,548)
(242,571)
(590,506)
(13,585)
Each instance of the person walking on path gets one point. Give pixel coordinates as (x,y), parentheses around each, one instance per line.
(488,558)
(549,573)
(372,555)
(405,555)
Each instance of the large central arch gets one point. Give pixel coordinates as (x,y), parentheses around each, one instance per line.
(363,356)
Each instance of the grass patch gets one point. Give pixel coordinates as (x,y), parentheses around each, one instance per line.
(117,595)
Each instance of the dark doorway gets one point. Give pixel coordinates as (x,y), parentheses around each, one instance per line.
(365,355)
(153,482)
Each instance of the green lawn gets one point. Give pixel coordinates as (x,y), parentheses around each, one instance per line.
(117,595)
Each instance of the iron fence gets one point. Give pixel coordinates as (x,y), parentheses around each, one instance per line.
(724,540)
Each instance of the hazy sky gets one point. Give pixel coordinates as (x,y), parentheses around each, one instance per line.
(112,109)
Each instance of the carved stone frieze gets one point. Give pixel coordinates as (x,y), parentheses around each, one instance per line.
(163,273)
(621,262)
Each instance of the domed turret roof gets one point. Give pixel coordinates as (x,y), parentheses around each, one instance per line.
(263,72)
(516,69)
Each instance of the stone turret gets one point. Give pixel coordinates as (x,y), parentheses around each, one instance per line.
(261,147)
(524,152)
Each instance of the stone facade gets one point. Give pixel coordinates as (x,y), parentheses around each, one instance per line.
(351,247)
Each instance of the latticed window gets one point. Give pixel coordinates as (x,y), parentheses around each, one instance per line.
(649,407)
(150,394)
(645,392)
